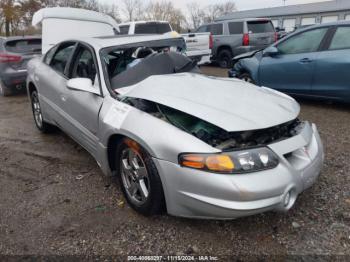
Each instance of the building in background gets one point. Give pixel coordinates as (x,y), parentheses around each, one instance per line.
(291,16)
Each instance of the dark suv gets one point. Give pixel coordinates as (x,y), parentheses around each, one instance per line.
(15,52)
(235,37)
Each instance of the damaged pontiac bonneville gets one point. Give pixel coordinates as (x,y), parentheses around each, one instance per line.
(178,141)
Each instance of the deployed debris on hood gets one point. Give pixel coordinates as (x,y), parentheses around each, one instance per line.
(213,135)
(154,64)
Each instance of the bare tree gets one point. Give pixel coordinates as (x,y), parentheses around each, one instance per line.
(111,10)
(165,11)
(132,9)
(227,8)
(196,15)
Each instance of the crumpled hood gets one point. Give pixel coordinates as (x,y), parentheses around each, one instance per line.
(231,104)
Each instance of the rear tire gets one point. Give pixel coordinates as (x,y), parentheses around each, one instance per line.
(4,90)
(247,78)
(37,114)
(139,178)
(225,58)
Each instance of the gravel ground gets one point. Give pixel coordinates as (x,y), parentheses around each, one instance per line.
(54,200)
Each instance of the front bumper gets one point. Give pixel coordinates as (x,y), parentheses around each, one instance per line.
(197,194)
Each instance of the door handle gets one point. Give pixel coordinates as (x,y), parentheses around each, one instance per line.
(63,98)
(305,60)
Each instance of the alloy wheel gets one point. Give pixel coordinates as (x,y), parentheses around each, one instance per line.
(135,177)
(37,110)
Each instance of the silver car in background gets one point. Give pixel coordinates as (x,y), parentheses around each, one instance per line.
(178,141)
(238,36)
(15,52)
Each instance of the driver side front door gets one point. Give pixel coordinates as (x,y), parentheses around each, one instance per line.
(291,70)
(82,108)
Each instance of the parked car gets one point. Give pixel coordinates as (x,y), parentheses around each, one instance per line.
(193,145)
(199,45)
(15,52)
(234,37)
(312,62)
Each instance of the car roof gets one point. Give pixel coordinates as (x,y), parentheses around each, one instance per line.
(118,40)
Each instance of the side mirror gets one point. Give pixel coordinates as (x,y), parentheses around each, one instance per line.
(82,84)
(271,51)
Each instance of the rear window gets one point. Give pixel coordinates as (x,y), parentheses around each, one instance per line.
(152,28)
(124,29)
(235,28)
(260,27)
(216,29)
(23,46)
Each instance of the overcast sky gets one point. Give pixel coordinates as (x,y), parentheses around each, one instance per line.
(241,4)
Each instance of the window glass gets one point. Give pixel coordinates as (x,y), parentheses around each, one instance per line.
(329,19)
(49,55)
(24,46)
(341,39)
(152,28)
(235,28)
(303,43)
(135,61)
(347,17)
(84,66)
(308,21)
(202,29)
(216,29)
(124,29)
(257,27)
(289,24)
(60,59)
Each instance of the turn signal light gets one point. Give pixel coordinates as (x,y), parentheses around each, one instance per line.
(217,163)
(235,162)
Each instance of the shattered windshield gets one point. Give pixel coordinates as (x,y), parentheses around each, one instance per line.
(132,64)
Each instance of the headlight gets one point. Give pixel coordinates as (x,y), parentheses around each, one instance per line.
(237,162)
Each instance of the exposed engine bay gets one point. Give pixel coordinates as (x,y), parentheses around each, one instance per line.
(213,135)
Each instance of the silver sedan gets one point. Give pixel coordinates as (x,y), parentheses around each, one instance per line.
(178,141)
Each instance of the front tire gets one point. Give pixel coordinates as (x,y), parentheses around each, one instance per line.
(139,178)
(37,114)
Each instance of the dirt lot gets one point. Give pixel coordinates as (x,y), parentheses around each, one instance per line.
(55,201)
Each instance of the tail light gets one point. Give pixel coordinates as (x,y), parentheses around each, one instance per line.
(6,58)
(246,40)
(276,36)
(211,41)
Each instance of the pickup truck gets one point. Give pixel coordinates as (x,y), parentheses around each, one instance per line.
(199,45)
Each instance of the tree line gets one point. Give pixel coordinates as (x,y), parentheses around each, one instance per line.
(16,15)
